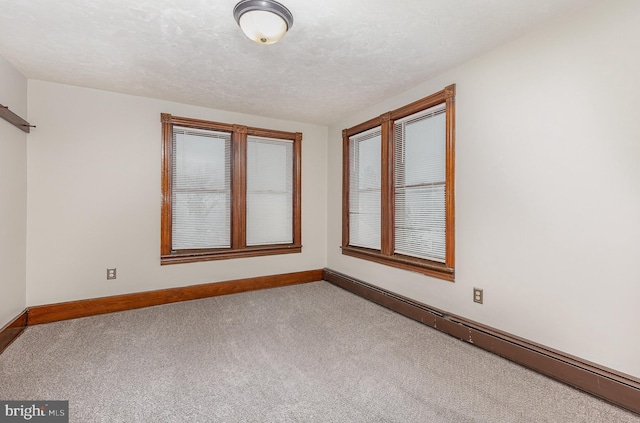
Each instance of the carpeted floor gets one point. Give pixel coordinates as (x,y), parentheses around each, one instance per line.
(305,353)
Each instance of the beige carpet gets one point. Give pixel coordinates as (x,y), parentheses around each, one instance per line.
(305,353)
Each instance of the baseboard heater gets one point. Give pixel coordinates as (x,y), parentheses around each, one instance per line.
(610,385)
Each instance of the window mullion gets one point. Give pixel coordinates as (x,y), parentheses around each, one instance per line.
(297,186)
(239,187)
(387,194)
(346,177)
(449,93)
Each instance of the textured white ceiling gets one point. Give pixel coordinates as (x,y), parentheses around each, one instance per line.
(339,57)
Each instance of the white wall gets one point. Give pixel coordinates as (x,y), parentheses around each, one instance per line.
(547,189)
(13,195)
(94,196)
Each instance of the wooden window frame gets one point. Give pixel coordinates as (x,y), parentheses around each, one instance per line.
(386,254)
(239,248)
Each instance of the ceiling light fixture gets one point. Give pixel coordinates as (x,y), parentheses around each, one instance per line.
(263,21)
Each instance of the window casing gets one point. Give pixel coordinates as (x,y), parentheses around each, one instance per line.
(398,204)
(228,191)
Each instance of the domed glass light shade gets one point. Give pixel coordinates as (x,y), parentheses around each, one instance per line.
(263,21)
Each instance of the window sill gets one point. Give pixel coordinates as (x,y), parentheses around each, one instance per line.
(429,268)
(192,256)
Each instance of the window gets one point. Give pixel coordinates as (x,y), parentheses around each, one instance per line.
(228,191)
(364,189)
(398,187)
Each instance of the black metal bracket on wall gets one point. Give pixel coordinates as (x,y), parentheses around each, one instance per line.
(14,119)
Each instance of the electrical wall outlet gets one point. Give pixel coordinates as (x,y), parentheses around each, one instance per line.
(477,295)
(111,273)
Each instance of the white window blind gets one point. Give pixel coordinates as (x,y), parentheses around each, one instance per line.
(269,191)
(201,190)
(420,175)
(364,189)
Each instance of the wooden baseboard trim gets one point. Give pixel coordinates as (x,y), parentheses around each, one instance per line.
(12,330)
(610,385)
(83,308)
